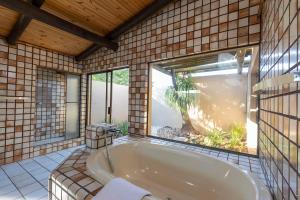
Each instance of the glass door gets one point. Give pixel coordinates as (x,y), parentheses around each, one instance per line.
(109,97)
(120,98)
(100,97)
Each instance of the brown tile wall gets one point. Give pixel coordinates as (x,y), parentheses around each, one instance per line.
(181,28)
(18,73)
(280,110)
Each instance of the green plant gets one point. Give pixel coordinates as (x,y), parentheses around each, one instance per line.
(236,136)
(123,126)
(179,96)
(214,138)
(120,77)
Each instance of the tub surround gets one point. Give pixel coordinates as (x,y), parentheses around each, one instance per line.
(72,179)
(95,137)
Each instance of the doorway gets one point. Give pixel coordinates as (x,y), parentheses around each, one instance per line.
(108,97)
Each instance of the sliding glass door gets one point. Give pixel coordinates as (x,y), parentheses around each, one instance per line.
(108,97)
(100,91)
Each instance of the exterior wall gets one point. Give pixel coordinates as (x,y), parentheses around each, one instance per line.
(18,74)
(119,111)
(279,113)
(221,96)
(181,28)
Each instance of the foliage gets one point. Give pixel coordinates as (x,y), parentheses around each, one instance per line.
(123,126)
(236,136)
(181,98)
(215,138)
(120,77)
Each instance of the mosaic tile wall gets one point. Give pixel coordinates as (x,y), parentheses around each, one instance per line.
(18,73)
(181,28)
(50,105)
(279,108)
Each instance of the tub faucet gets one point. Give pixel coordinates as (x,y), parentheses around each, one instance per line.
(106,129)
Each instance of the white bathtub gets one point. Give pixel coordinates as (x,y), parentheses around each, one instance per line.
(170,173)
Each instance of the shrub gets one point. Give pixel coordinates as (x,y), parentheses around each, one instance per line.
(123,126)
(236,136)
(214,138)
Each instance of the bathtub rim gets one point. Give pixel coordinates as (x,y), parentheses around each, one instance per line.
(94,167)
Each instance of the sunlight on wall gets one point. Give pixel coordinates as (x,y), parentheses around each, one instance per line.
(220,103)
(251,136)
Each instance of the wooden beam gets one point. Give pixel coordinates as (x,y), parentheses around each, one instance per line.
(52,20)
(113,35)
(22,24)
(87,52)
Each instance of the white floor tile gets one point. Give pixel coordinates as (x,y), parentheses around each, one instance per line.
(7,189)
(30,188)
(15,195)
(13,169)
(36,195)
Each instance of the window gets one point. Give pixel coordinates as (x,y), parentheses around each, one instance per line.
(72,106)
(205,100)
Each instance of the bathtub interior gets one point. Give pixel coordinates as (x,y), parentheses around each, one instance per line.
(169,173)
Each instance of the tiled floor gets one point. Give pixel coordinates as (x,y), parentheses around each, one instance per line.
(28,179)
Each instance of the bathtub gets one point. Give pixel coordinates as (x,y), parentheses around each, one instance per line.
(174,174)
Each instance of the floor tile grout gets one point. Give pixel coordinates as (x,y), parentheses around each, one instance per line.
(13,183)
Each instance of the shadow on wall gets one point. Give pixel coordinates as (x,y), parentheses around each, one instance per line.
(220,102)
(165,115)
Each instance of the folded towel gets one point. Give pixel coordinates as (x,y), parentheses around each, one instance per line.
(120,189)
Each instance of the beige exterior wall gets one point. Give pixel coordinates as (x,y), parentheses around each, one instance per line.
(221,102)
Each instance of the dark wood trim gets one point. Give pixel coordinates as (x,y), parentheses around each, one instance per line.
(87,52)
(52,20)
(21,24)
(113,35)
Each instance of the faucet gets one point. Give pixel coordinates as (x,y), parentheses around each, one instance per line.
(107,129)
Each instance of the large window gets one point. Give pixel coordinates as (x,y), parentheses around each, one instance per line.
(108,97)
(205,100)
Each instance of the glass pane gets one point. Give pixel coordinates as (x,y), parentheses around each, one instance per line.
(73,88)
(120,93)
(72,120)
(98,98)
(108,97)
(206,101)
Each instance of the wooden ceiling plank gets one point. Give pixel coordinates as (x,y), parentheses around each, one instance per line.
(52,20)
(145,13)
(22,24)
(133,21)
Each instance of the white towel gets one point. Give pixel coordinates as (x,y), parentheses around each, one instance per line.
(120,189)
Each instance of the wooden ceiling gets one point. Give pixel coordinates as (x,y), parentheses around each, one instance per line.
(97,16)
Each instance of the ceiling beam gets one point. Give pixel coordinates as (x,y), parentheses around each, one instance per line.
(142,15)
(22,24)
(52,20)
